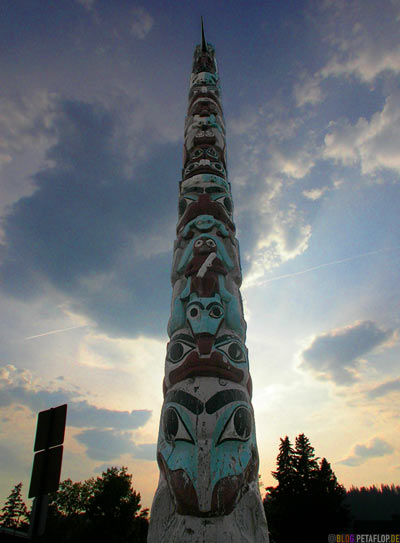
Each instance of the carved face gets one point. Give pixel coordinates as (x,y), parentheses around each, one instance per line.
(217,194)
(204,106)
(218,205)
(204,79)
(205,244)
(204,315)
(205,122)
(203,62)
(224,357)
(207,447)
(204,181)
(203,165)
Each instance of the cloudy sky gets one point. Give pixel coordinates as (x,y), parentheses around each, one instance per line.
(93,100)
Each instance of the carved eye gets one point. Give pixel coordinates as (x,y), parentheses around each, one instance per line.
(215,312)
(212,152)
(234,351)
(197,153)
(211,243)
(194,312)
(177,350)
(226,202)
(198,243)
(183,203)
(192,166)
(174,427)
(238,427)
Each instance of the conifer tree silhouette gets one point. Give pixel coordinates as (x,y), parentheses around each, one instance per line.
(307,502)
(14,513)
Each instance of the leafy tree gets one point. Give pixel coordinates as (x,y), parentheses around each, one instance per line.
(308,500)
(14,514)
(113,506)
(102,509)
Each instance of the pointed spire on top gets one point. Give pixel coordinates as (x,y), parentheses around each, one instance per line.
(203,38)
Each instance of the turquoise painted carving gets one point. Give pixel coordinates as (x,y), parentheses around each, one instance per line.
(200,466)
(204,315)
(204,181)
(205,223)
(207,451)
(224,357)
(220,251)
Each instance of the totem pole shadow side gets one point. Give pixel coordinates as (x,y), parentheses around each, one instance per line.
(207,451)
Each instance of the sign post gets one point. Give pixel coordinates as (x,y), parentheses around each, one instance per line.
(47,462)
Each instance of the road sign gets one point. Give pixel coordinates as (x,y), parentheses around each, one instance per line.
(47,462)
(50,428)
(46,471)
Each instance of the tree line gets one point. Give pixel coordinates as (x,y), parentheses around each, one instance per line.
(105,508)
(307,503)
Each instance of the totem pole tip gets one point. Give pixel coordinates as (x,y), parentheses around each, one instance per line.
(203,38)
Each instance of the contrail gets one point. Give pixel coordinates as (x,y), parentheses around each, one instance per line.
(55,332)
(332,263)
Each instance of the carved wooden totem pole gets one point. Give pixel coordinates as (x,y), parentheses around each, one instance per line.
(207,452)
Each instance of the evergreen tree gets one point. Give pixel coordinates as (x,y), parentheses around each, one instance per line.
(286,470)
(374,503)
(278,502)
(14,514)
(307,503)
(306,465)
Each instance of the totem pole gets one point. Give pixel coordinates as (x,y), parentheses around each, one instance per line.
(207,452)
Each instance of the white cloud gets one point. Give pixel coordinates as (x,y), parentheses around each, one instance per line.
(373,144)
(244,123)
(18,388)
(25,122)
(314,194)
(26,132)
(366,62)
(364,35)
(296,163)
(308,91)
(360,454)
(358,46)
(287,237)
(142,22)
(336,355)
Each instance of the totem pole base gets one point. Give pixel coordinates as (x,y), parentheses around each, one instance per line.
(246,524)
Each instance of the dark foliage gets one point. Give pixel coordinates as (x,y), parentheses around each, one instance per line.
(374,503)
(102,509)
(308,502)
(14,513)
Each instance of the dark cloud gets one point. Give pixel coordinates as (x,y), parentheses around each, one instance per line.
(108,445)
(100,237)
(336,355)
(81,414)
(385,388)
(361,453)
